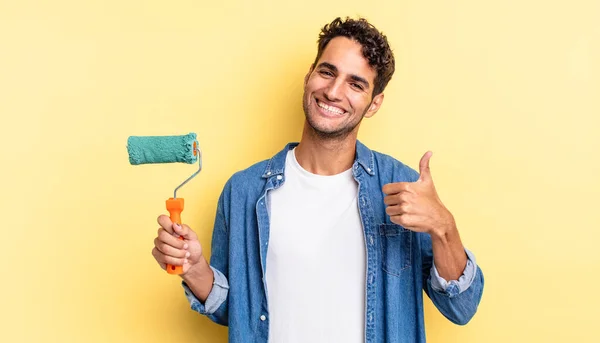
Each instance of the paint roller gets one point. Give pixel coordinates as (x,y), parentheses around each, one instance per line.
(167,149)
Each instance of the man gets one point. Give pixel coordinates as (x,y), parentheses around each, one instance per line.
(329,241)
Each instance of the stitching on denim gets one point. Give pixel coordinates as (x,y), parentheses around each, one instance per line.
(385,231)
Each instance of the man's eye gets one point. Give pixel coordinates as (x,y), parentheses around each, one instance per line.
(357,86)
(325,72)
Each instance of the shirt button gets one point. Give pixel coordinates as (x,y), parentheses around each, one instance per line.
(279,177)
(263,318)
(369,170)
(268,173)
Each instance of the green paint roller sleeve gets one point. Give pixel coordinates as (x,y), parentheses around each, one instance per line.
(162,149)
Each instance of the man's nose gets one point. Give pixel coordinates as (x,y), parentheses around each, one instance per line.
(334,90)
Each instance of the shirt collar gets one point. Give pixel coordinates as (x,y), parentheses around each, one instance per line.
(364,158)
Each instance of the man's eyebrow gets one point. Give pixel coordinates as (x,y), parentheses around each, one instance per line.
(360,80)
(328,66)
(355,78)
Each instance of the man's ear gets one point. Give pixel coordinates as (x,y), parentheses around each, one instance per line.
(375,105)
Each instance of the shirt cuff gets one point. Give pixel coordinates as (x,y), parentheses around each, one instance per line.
(455,287)
(216,297)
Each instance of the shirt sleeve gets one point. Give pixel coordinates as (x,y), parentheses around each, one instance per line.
(455,287)
(216,297)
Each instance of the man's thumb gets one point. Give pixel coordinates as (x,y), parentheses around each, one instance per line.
(183,230)
(424,167)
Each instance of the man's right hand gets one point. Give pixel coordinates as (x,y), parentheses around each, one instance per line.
(168,249)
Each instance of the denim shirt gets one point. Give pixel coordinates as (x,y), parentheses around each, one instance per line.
(399,261)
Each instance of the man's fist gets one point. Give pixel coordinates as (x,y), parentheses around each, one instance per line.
(169,249)
(416,205)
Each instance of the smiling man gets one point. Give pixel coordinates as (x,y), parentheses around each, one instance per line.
(329,241)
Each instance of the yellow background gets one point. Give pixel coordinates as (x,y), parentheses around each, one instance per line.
(506,95)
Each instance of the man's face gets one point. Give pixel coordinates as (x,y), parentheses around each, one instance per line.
(338,90)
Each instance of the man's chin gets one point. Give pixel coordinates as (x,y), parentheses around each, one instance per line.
(326,133)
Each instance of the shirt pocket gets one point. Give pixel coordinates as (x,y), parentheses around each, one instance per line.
(396,248)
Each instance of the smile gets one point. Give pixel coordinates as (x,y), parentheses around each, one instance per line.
(330,109)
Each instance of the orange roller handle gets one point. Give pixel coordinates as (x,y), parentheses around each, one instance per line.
(175,207)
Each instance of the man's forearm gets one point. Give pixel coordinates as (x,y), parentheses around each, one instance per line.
(448,253)
(200,279)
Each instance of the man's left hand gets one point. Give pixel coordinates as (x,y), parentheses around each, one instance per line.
(416,205)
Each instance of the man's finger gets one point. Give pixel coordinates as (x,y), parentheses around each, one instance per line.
(169,250)
(396,187)
(398,198)
(171,240)
(393,210)
(390,200)
(165,222)
(398,209)
(184,231)
(402,219)
(162,258)
(156,254)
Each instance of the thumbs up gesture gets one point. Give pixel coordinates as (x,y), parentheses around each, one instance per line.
(416,205)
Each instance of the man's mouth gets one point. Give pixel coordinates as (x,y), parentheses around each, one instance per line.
(328,109)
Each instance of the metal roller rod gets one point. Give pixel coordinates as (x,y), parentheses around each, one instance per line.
(191,177)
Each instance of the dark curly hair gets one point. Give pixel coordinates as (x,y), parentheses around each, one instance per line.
(375,47)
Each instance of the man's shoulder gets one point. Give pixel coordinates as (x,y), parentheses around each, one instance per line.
(389,165)
(255,170)
(249,176)
(381,157)
(259,172)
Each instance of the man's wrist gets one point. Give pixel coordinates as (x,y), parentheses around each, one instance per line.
(198,271)
(444,230)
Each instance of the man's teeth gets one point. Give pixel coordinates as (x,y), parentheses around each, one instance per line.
(330,108)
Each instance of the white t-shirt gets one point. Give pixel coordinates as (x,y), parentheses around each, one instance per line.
(316,259)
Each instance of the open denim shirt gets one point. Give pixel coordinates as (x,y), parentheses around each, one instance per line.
(399,261)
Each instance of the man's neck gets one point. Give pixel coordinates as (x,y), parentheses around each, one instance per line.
(326,156)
